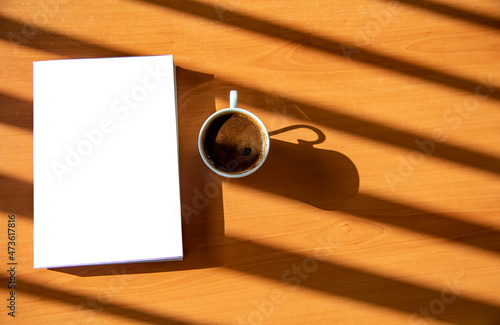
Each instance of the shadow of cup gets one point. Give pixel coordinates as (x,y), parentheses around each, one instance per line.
(322,178)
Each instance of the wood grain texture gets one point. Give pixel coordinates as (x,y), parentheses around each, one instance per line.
(380,199)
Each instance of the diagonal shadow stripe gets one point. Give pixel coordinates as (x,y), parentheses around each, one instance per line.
(330,278)
(93,304)
(334,185)
(337,120)
(29,35)
(331,46)
(16,112)
(378,132)
(439,225)
(16,196)
(340,121)
(338,280)
(375,282)
(413,218)
(452,12)
(326,277)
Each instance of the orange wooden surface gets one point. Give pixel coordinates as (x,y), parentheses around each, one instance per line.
(379,202)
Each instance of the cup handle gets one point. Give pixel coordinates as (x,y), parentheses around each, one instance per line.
(233,99)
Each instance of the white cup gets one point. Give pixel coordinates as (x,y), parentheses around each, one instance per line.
(233,171)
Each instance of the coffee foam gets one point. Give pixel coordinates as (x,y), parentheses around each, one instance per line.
(234,143)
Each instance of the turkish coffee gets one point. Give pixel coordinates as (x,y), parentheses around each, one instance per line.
(234,143)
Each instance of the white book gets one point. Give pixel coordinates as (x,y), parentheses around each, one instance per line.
(105,161)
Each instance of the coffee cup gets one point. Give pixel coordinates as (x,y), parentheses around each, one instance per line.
(233,142)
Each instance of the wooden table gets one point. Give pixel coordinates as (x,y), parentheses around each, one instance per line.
(379,202)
